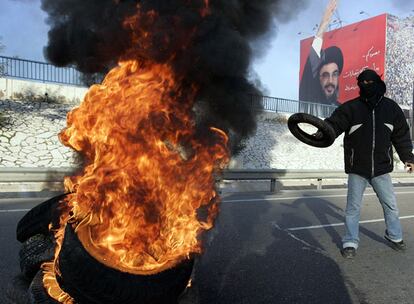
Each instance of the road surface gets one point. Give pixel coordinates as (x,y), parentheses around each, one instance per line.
(281,248)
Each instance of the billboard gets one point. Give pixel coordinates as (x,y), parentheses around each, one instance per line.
(329,66)
(399,64)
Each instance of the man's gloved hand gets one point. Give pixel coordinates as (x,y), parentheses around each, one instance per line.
(409,167)
(318,134)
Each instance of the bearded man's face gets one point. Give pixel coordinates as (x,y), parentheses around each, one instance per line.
(328,77)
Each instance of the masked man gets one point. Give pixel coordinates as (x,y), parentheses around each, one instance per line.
(372,124)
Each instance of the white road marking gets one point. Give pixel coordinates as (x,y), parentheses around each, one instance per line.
(309,246)
(274,224)
(299,197)
(342,224)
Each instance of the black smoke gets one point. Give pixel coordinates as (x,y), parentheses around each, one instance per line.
(90,35)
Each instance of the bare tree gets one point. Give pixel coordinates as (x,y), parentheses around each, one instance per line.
(2,46)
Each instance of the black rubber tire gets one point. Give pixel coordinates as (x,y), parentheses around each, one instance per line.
(16,291)
(88,281)
(37,292)
(37,220)
(34,251)
(327,130)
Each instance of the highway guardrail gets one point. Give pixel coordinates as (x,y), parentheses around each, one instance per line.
(56,175)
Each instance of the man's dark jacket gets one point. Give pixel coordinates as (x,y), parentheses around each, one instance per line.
(370,132)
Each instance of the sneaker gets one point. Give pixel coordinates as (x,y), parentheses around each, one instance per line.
(398,246)
(348,252)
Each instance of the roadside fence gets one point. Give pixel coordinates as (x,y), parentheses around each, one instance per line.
(282,105)
(39,71)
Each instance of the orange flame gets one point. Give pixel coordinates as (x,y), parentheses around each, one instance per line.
(206,10)
(135,205)
(48,268)
(147,190)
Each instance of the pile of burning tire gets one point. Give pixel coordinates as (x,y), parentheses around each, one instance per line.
(85,279)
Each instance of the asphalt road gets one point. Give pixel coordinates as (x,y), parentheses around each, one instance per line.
(281,248)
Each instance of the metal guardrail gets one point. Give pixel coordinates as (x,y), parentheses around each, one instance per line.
(276,174)
(282,105)
(13,175)
(39,71)
(56,175)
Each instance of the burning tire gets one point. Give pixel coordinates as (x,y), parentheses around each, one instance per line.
(327,131)
(88,281)
(37,220)
(36,250)
(37,292)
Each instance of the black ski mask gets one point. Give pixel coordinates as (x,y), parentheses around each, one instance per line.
(371,86)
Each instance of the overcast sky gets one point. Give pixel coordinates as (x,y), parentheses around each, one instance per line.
(24,33)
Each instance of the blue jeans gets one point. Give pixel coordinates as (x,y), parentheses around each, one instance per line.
(383,187)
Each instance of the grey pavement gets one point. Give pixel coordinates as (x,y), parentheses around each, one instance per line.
(281,248)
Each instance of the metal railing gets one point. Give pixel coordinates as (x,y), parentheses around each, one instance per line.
(282,105)
(279,174)
(274,104)
(45,72)
(316,109)
(38,71)
(43,176)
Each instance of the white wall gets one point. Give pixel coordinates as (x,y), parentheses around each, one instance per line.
(29,138)
(11,88)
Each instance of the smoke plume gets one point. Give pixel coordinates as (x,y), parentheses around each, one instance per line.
(92,36)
